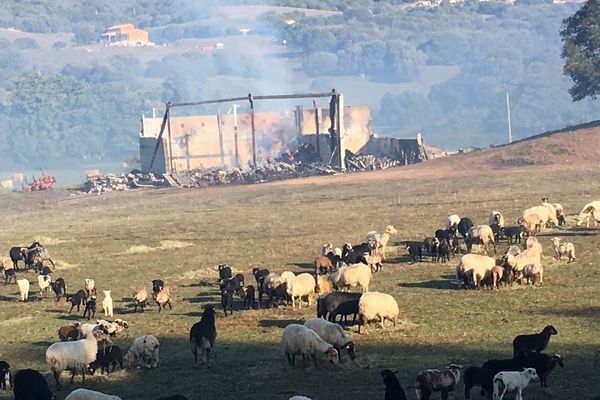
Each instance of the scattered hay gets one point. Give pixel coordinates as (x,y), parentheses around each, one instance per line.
(62,265)
(45,240)
(196,274)
(139,249)
(15,321)
(164,245)
(173,244)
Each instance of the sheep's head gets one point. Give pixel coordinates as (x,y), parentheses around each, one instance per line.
(332,355)
(550,330)
(556,241)
(351,350)
(531,372)
(391,230)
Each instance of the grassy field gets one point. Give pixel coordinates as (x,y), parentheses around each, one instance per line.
(124,240)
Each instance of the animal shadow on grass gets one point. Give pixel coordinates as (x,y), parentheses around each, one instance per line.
(42,343)
(583,312)
(573,232)
(199,284)
(279,323)
(443,284)
(74,316)
(302,265)
(6,298)
(204,298)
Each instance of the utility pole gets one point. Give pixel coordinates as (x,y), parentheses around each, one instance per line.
(508,116)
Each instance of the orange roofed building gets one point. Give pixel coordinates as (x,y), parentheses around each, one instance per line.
(125,35)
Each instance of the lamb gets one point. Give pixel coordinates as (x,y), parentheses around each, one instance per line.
(298,339)
(302,285)
(375,305)
(535,273)
(59,288)
(473,268)
(107,304)
(23,285)
(163,298)
(415,249)
(68,332)
(535,342)
(336,303)
(591,209)
(143,351)
(560,214)
(105,359)
(381,238)
(74,356)
(44,282)
(353,275)
(393,390)
(249,297)
(374,262)
(224,271)
(90,287)
(275,288)
(29,384)
(480,234)
(475,376)
(531,224)
(112,328)
(514,234)
(452,222)
(76,299)
(561,249)
(512,381)
(5,375)
(323,285)
(259,275)
(139,299)
(332,334)
(496,217)
(203,335)
(90,308)
(9,275)
(86,394)
(464,225)
(510,364)
(435,380)
(543,364)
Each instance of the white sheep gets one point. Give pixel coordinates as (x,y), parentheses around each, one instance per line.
(544,214)
(298,339)
(512,381)
(474,268)
(351,276)
(480,234)
(534,245)
(86,394)
(44,282)
(591,209)
(452,221)
(107,304)
(535,273)
(496,217)
(302,285)
(518,263)
(381,238)
(375,305)
(513,250)
(333,334)
(287,277)
(144,351)
(74,356)
(23,285)
(90,287)
(566,248)
(552,210)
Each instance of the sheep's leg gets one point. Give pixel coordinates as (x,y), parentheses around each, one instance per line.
(444,395)
(314,357)
(382,323)
(519,395)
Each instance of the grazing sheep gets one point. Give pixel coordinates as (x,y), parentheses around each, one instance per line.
(5,375)
(157,285)
(512,381)
(473,268)
(29,384)
(163,298)
(510,364)
(496,218)
(59,288)
(107,304)
(352,256)
(543,213)
(203,335)
(44,282)
(302,285)
(226,300)
(111,328)
(323,265)
(23,285)
(481,235)
(534,273)
(68,332)
(139,299)
(74,356)
(452,222)
(543,364)
(534,245)
(333,304)
(275,287)
(375,305)
(105,359)
(332,334)
(415,249)
(513,250)
(298,339)
(351,276)
(76,299)
(143,352)
(323,285)
(260,274)
(517,263)
(90,308)
(536,342)
(591,209)
(9,275)
(249,297)
(561,249)
(464,225)
(435,380)
(17,254)
(497,274)
(374,262)
(393,390)
(475,376)
(514,234)
(381,238)
(224,271)
(530,224)
(86,394)
(90,287)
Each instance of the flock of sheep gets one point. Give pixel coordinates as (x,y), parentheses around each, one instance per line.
(337,270)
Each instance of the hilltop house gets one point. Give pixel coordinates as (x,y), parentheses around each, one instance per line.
(125,35)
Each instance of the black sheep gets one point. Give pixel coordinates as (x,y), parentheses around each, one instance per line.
(227,300)
(203,335)
(536,342)
(475,376)
(497,231)
(415,249)
(105,359)
(249,297)
(329,303)
(343,310)
(464,225)
(30,384)
(224,272)
(443,251)
(350,256)
(259,275)
(442,234)
(157,286)
(5,376)
(9,275)
(277,294)
(17,254)
(511,364)
(393,390)
(90,308)
(543,364)
(513,233)
(76,299)
(59,288)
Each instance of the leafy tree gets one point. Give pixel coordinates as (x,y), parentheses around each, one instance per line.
(581,37)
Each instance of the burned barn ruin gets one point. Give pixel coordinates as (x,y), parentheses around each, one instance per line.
(295,141)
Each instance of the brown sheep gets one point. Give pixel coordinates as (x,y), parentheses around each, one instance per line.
(497,274)
(68,332)
(531,224)
(163,298)
(323,285)
(139,299)
(323,265)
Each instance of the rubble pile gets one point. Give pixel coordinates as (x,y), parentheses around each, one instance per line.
(120,182)
(368,162)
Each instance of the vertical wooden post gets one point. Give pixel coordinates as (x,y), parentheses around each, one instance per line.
(251,100)
(317,130)
(220,138)
(235,136)
(171,165)
(340,131)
